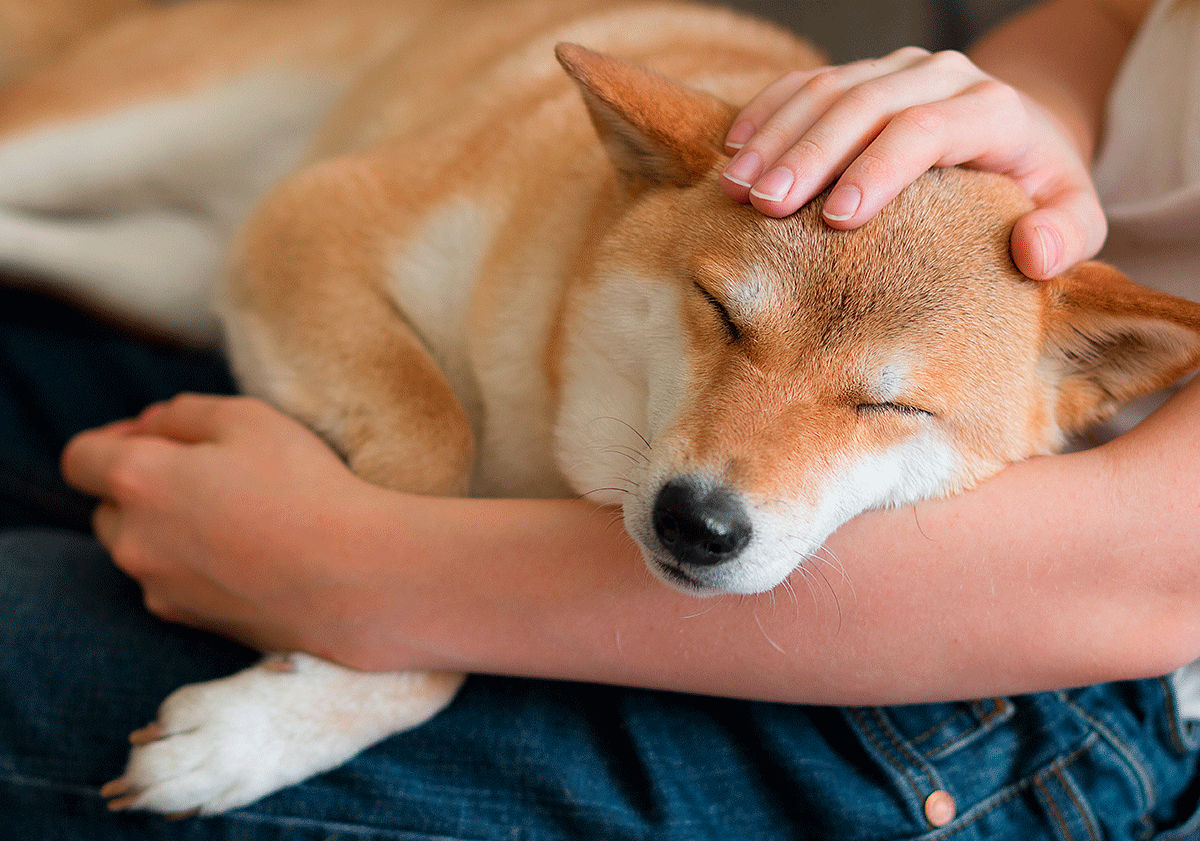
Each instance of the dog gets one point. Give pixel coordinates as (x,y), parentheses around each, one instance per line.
(476,270)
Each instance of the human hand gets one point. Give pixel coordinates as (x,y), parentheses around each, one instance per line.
(874,126)
(231,516)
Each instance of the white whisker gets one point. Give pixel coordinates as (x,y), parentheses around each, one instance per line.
(767,636)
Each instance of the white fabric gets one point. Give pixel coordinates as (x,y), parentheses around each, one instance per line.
(1148,169)
(1148,177)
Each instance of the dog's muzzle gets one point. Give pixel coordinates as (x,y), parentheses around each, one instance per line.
(700,524)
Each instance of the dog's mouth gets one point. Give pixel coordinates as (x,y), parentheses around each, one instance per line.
(681,579)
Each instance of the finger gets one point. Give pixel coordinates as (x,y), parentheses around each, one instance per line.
(783,112)
(88,458)
(128,469)
(835,81)
(106,524)
(1067,228)
(765,103)
(847,127)
(128,552)
(967,128)
(87,455)
(190,418)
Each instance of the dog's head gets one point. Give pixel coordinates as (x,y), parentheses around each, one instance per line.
(743,386)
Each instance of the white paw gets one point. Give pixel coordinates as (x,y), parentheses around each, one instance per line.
(224,744)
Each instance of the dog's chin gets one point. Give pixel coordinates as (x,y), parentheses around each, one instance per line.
(705,582)
(677,579)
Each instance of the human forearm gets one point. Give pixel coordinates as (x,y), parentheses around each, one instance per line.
(1059,571)
(1037,579)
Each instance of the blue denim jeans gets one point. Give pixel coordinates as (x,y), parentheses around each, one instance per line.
(81,664)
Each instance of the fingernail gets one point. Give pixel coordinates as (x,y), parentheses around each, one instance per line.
(774,185)
(742,131)
(1052,248)
(743,169)
(842,203)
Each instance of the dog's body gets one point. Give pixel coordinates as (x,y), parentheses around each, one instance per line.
(464,292)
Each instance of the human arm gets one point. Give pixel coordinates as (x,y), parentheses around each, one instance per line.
(1029,103)
(1059,571)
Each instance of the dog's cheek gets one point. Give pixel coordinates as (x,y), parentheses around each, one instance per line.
(787,533)
(624,374)
(922,466)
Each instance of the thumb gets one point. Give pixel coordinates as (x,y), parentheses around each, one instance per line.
(1067,228)
(189,418)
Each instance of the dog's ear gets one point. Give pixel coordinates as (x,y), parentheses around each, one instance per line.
(656,131)
(1109,340)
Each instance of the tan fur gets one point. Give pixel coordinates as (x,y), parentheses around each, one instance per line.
(32,32)
(493,276)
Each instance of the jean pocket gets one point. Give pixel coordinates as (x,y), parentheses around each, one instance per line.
(937,731)
(936,759)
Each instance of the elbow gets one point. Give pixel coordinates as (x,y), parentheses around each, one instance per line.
(1154,647)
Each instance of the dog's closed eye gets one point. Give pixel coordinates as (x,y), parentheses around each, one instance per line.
(898,408)
(733,331)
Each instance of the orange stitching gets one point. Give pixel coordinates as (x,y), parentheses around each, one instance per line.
(1016,789)
(866,730)
(904,750)
(1058,816)
(1079,807)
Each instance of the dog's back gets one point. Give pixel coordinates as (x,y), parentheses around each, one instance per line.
(128,160)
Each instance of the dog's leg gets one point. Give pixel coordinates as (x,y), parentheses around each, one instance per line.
(226,743)
(348,364)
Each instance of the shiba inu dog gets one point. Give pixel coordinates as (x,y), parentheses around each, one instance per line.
(475,269)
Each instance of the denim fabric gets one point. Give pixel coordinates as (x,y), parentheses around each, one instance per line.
(81,664)
(61,372)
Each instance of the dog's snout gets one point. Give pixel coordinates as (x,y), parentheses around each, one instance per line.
(699,524)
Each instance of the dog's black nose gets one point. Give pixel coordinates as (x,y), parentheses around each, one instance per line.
(700,524)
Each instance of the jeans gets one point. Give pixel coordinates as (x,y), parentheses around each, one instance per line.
(81,664)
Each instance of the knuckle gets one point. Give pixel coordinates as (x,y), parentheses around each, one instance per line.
(250,405)
(867,96)
(998,94)
(184,400)
(127,481)
(227,410)
(925,119)
(807,152)
(770,140)
(236,410)
(793,79)
(951,61)
(872,168)
(1098,227)
(825,84)
(160,607)
(909,53)
(129,553)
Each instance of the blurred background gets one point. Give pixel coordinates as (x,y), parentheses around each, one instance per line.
(852,29)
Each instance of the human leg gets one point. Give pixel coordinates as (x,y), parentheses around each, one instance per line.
(81,664)
(62,372)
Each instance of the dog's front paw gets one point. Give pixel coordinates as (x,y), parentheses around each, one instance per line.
(224,744)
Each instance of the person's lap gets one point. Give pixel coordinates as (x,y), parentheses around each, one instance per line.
(81,664)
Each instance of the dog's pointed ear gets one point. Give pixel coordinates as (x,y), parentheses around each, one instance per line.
(656,131)
(1109,340)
